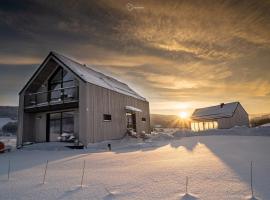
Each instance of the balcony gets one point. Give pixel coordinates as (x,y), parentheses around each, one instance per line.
(52,100)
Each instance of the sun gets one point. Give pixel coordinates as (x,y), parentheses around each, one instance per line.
(183,115)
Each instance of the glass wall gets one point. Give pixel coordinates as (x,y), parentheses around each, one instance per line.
(55,126)
(201,126)
(62,79)
(61,126)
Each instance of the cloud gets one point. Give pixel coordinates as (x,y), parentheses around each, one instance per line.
(171,51)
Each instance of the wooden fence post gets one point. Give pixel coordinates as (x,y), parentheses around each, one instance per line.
(45,172)
(82,173)
(186,184)
(8,169)
(251,178)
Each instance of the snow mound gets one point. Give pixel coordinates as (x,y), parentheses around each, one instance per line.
(188,196)
(116,144)
(110,196)
(252,198)
(265,125)
(161,136)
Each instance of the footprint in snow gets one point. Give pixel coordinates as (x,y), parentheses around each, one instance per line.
(189,196)
(253,198)
(110,196)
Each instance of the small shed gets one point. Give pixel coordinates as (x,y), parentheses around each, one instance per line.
(223,116)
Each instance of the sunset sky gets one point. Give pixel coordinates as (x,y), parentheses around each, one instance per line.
(178,54)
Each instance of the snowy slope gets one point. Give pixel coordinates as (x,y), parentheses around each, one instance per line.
(266,125)
(217,166)
(4,121)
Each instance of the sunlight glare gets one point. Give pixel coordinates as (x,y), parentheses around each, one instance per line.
(183,115)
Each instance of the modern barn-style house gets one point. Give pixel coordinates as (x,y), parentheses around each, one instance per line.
(65,100)
(220,116)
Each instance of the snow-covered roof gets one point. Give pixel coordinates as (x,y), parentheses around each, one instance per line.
(131,108)
(215,112)
(87,74)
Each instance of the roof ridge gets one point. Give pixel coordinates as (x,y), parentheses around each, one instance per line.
(217,105)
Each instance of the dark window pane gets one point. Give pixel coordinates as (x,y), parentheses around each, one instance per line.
(68,84)
(68,125)
(143,119)
(55,116)
(55,86)
(70,93)
(54,129)
(57,77)
(67,114)
(56,95)
(67,76)
(107,117)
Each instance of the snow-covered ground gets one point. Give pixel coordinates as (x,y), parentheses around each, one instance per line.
(217,167)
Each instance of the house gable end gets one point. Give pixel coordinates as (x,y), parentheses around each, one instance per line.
(43,65)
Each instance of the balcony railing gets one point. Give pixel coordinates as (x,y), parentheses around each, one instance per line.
(52,97)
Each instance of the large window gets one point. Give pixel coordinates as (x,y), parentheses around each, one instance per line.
(61,126)
(61,79)
(201,126)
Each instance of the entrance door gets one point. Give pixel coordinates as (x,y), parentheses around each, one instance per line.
(59,126)
(131,121)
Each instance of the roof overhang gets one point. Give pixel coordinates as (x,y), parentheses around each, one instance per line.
(131,108)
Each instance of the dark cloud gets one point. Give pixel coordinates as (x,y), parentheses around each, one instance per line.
(12,79)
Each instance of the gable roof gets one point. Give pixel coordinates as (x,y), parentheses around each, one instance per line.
(87,74)
(215,112)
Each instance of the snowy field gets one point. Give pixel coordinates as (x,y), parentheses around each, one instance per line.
(217,167)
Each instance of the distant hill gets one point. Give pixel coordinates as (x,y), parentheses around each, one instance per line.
(166,121)
(9,112)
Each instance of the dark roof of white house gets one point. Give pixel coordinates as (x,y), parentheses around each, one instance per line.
(215,112)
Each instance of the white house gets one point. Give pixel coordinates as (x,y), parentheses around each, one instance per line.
(220,116)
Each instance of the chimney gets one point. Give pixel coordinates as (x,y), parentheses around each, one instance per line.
(221,105)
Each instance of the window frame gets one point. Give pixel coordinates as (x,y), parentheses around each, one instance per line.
(61,81)
(107,115)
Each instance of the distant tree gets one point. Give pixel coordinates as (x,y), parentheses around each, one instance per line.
(259,121)
(9,111)
(10,127)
